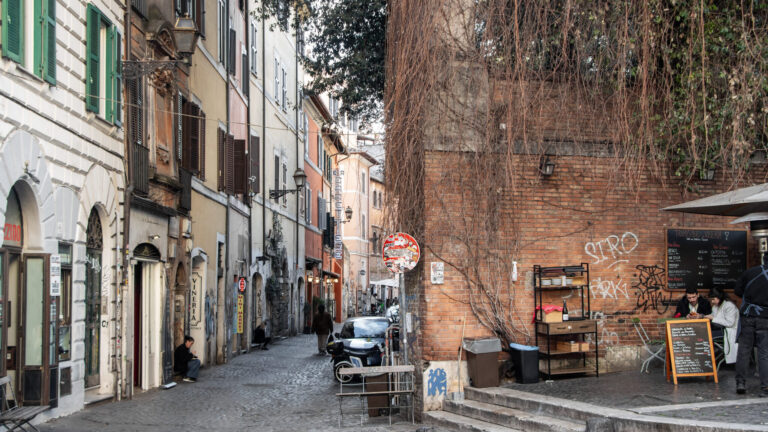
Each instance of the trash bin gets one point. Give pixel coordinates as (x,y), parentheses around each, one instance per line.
(483,361)
(526,359)
(377,404)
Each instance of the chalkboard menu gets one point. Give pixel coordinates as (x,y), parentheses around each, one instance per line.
(705,258)
(689,349)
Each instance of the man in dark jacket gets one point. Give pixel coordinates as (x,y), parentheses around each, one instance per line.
(753,331)
(185,362)
(322,324)
(692,305)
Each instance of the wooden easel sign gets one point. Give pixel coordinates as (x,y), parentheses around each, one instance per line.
(690,352)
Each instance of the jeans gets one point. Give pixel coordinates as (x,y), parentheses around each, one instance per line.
(193,368)
(754,333)
(322,342)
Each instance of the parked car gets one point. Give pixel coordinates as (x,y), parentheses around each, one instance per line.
(360,343)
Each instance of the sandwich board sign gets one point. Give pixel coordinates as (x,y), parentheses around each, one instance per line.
(689,349)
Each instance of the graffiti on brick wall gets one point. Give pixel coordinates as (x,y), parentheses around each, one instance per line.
(650,289)
(613,249)
(609,289)
(437,383)
(607,337)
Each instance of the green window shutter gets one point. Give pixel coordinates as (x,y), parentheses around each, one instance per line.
(49,39)
(13,30)
(110,74)
(117,93)
(92,66)
(38,29)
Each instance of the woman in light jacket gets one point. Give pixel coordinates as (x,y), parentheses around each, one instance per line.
(725,322)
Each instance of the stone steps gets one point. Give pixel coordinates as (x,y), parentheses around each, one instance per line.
(511,417)
(456,422)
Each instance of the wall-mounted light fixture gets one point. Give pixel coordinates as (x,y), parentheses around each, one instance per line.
(335,280)
(347,214)
(546,166)
(299,177)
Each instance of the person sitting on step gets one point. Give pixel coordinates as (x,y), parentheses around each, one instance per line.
(185,361)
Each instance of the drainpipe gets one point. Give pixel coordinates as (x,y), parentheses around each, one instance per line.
(264,193)
(247,81)
(225,346)
(298,156)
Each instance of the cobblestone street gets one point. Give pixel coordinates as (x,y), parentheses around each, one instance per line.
(286,388)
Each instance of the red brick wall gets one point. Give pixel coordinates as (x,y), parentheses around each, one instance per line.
(548,221)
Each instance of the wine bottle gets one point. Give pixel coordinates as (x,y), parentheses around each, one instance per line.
(565,311)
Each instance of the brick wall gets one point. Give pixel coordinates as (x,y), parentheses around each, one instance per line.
(582,213)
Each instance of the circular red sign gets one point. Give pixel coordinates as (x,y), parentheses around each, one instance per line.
(400,252)
(242,285)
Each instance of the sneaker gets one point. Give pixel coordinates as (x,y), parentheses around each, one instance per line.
(764,392)
(741,387)
(188,379)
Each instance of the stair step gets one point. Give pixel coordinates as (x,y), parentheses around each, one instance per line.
(463,424)
(512,417)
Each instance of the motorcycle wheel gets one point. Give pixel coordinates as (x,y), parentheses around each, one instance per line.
(342,378)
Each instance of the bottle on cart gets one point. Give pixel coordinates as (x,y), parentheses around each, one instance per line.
(565,311)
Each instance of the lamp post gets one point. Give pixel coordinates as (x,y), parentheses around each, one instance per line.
(299,177)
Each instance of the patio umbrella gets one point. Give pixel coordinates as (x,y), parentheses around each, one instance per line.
(739,202)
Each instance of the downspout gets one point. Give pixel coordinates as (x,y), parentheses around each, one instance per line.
(264,193)
(247,81)
(225,346)
(298,153)
(123,286)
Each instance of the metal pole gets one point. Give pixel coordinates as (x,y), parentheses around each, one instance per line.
(403,318)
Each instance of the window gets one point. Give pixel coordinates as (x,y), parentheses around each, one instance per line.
(320,153)
(254,48)
(244,73)
(232,163)
(284,98)
(222,31)
(285,183)
(306,128)
(65,308)
(254,178)
(35,48)
(362,220)
(308,199)
(321,221)
(362,183)
(232,52)
(277,176)
(276,92)
(193,139)
(103,69)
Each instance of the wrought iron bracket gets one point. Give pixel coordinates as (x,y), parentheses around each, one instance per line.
(133,69)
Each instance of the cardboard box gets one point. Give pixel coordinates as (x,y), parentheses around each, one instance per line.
(553,317)
(568,346)
(584,346)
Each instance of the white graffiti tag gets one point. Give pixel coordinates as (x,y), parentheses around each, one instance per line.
(608,289)
(613,248)
(607,338)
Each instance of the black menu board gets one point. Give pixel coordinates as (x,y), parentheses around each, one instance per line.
(705,258)
(689,348)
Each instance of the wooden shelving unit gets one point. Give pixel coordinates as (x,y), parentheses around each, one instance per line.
(575,329)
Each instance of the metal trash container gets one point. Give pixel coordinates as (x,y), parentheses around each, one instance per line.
(377,404)
(526,360)
(483,361)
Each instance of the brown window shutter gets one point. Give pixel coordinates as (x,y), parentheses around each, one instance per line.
(202,144)
(185,136)
(254,171)
(240,166)
(222,159)
(230,169)
(277,175)
(194,140)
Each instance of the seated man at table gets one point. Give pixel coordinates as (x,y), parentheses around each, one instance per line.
(692,305)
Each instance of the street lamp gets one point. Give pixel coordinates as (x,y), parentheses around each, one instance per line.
(186,35)
(347,214)
(299,177)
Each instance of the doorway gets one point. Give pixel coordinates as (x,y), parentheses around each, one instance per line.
(148,280)
(94,245)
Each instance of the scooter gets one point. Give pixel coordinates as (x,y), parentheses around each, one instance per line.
(353,354)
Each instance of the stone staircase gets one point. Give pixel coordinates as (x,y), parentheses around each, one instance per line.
(503,410)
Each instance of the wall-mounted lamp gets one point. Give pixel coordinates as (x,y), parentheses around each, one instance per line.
(335,280)
(546,166)
(299,177)
(347,214)
(153,237)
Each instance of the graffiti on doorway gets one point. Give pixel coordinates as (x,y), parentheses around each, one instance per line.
(650,289)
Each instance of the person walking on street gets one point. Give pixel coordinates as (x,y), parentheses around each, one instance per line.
(322,324)
(752,287)
(185,362)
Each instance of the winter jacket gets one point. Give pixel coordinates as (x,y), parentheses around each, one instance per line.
(727,315)
(702,307)
(322,323)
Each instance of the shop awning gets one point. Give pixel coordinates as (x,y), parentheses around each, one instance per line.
(385,282)
(739,202)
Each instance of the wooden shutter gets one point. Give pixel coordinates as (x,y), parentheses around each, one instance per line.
(200,16)
(222,157)
(179,126)
(118,79)
(109,61)
(13,30)
(230,169)
(201,139)
(253,155)
(194,139)
(240,167)
(232,51)
(277,175)
(92,72)
(254,47)
(245,79)
(135,113)
(186,137)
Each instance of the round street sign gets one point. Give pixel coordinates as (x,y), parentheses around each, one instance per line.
(241,285)
(400,252)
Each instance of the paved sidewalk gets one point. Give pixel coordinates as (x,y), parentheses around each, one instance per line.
(287,388)
(692,398)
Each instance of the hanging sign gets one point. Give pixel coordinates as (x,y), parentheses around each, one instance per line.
(241,285)
(55,275)
(400,252)
(240,312)
(337,189)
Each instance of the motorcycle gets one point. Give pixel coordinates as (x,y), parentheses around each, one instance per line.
(354,353)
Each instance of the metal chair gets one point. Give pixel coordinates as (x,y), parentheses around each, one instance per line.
(655,348)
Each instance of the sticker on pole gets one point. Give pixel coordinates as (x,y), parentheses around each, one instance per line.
(400,252)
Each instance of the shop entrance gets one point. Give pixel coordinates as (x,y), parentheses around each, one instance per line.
(94,244)
(28,336)
(147,316)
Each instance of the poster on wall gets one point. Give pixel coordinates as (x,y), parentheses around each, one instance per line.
(436,273)
(55,275)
